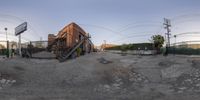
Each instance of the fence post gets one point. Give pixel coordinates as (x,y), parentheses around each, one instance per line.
(31,49)
(174,50)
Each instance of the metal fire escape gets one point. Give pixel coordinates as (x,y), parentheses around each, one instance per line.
(65,56)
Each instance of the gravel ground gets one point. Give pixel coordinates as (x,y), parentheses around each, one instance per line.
(101,76)
(44,54)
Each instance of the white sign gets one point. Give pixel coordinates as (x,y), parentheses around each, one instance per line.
(21,28)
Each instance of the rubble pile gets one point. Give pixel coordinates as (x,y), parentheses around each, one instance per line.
(4,83)
(188,82)
(122,78)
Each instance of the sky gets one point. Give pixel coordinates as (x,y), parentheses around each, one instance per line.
(116,21)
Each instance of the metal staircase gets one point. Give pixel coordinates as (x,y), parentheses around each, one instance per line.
(65,56)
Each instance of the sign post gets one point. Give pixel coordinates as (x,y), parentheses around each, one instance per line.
(18,30)
(20,48)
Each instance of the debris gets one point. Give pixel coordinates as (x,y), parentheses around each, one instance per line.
(188,82)
(3,81)
(107,86)
(122,78)
(116,85)
(182,88)
(196,64)
(174,71)
(104,61)
(13,81)
(6,82)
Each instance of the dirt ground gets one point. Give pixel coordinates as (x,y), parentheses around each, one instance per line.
(101,76)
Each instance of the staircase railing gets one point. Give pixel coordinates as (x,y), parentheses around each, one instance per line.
(65,57)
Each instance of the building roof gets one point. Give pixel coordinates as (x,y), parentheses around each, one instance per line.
(73,24)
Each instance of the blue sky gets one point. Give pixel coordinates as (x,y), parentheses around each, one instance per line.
(116,21)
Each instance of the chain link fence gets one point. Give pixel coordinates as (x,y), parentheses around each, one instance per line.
(184,51)
(3,48)
(37,49)
(8,48)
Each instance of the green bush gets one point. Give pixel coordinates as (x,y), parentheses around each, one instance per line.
(125,47)
(3,52)
(78,50)
(184,51)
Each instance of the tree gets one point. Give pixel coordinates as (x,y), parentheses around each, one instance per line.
(123,47)
(2,46)
(158,41)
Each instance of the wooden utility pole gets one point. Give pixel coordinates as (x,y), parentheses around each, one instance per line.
(167,25)
(104,45)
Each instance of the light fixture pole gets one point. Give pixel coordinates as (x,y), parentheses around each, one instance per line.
(7,51)
(175,40)
(6,33)
(175,45)
(104,45)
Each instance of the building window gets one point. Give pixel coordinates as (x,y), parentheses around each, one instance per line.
(80,36)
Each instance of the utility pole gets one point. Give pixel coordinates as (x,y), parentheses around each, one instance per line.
(20,46)
(167,25)
(104,45)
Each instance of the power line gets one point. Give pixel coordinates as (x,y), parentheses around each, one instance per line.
(185,33)
(140,25)
(20,20)
(12,35)
(180,17)
(132,36)
(119,33)
(101,27)
(135,23)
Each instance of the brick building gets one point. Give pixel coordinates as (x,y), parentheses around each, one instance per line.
(68,38)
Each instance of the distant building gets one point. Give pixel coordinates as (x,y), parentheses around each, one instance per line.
(68,38)
(188,44)
(104,46)
(51,38)
(193,46)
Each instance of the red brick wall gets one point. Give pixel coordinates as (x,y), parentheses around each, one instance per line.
(51,38)
(73,31)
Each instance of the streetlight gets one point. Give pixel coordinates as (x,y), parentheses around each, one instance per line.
(175,40)
(6,33)
(7,42)
(174,44)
